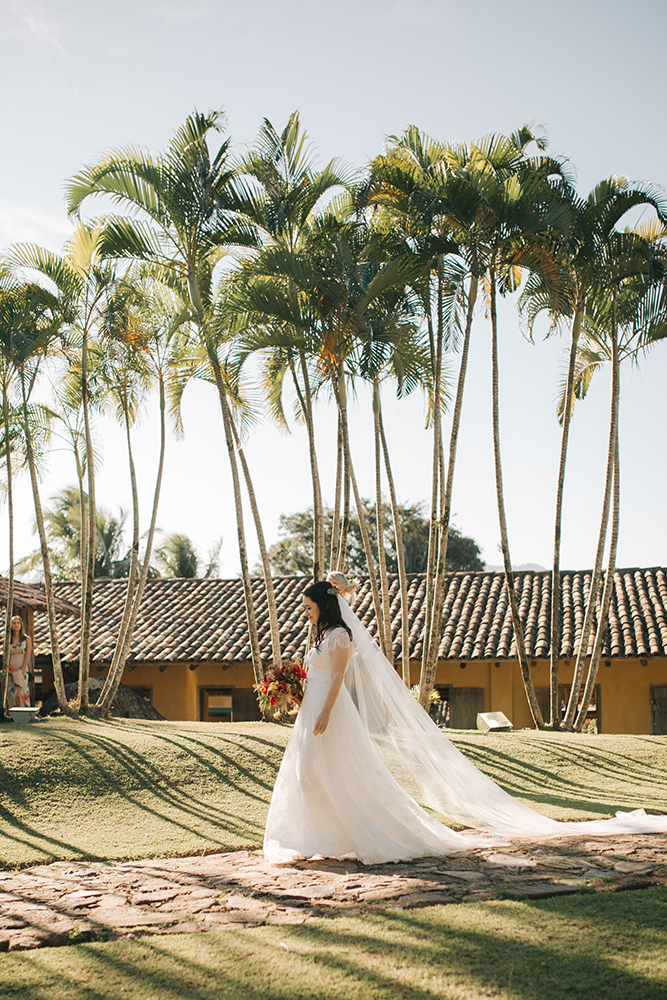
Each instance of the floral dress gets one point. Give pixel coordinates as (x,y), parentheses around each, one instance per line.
(18,692)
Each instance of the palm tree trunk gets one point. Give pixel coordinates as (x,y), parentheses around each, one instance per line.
(83,514)
(345,517)
(335,526)
(306,403)
(433,644)
(10,524)
(554,701)
(253,635)
(134,553)
(58,680)
(87,590)
(606,601)
(615,523)
(379,525)
(436,488)
(596,577)
(274,626)
(114,677)
(504,541)
(363,527)
(400,552)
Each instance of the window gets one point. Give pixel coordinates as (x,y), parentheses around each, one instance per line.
(216,705)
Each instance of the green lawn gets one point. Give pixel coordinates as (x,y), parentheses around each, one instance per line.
(125,789)
(594,947)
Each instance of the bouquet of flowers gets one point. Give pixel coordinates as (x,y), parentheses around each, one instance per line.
(281,692)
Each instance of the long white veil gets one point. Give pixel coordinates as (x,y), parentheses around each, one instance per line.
(433,771)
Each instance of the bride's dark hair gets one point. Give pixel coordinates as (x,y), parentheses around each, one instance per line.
(325,596)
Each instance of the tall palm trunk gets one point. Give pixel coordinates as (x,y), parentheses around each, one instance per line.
(306,403)
(436,488)
(134,552)
(10,525)
(502,520)
(83,515)
(335,526)
(606,599)
(432,641)
(58,680)
(114,677)
(345,515)
(253,635)
(363,527)
(274,627)
(240,526)
(609,491)
(87,589)
(554,701)
(400,551)
(379,523)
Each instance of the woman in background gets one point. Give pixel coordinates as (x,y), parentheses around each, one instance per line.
(20,658)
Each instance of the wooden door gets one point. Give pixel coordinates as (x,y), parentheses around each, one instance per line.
(464,704)
(245,707)
(659,709)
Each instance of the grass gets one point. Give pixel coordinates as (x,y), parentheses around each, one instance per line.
(73,788)
(607,946)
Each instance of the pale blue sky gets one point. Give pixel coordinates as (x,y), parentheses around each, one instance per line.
(78,77)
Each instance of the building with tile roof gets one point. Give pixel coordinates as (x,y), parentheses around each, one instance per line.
(190,652)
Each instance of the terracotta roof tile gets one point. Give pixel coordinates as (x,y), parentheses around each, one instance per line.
(204,620)
(31,595)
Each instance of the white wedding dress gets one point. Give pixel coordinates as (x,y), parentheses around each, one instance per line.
(352,791)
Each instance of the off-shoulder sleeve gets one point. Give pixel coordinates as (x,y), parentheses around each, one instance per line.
(338,639)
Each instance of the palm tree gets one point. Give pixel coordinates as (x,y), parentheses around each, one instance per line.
(29,322)
(156,352)
(525,215)
(398,354)
(594,221)
(83,281)
(410,182)
(357,287)
(178,557)
(448,203)
(282,192)
(186,220)
(622,319)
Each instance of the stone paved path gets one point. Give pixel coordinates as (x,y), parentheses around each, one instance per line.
(66,902)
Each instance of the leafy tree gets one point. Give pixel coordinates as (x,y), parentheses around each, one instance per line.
(293,552)
(178,557)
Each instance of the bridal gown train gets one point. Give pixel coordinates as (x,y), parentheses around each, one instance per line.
(352,791)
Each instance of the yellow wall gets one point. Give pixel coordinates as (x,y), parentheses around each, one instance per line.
(624,688)
(176,688)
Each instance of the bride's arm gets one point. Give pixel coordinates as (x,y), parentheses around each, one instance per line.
(339,660)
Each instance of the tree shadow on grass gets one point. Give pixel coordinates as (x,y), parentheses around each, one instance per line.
(519,951)
(168,804)
(520,777)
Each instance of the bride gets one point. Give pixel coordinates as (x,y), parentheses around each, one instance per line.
(364,754)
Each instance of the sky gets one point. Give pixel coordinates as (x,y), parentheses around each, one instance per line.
(78,77)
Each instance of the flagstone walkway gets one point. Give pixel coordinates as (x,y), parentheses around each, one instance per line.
(67,902)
